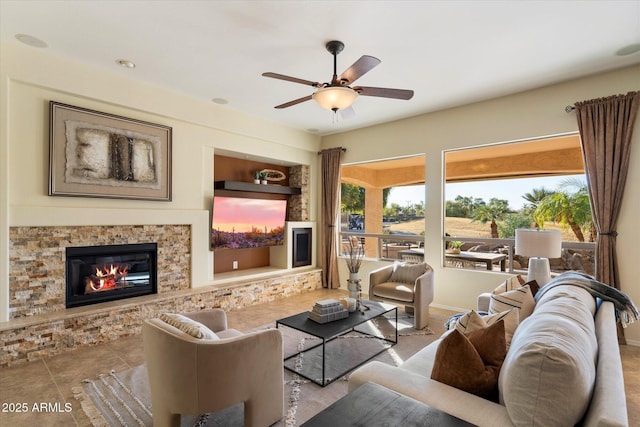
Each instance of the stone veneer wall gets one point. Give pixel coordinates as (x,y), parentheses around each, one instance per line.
(37,260)
(299,203)
(30,338)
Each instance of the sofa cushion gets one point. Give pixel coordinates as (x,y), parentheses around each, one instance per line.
(472,321)
(395,290)
(188,326)
(548,375)
(520,298)
(407,273)
(472,361)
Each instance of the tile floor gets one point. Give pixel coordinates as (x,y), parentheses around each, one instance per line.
(51,380)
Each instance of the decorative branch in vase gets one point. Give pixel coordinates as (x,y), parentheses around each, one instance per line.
(354,253)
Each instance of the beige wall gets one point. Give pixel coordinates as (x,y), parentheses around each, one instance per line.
(521,116)
(30,78)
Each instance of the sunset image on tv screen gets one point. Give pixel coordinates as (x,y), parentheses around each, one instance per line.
(247,223)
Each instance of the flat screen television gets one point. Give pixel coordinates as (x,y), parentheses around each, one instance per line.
(239,222)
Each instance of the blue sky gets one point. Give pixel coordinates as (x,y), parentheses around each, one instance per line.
(509,189)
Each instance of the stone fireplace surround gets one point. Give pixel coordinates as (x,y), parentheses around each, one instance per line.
(41,326)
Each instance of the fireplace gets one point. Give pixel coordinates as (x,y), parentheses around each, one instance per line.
(110,272)
(301,247)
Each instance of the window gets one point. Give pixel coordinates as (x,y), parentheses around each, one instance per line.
(493,190)
(384,200)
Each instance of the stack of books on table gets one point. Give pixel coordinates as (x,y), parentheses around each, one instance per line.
(328,310)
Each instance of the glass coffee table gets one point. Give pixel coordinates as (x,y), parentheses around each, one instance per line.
(342,345)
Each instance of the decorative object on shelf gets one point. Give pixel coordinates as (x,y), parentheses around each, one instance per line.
(95,154)
(453,247)
(263,178)
(256,177)
(273,175)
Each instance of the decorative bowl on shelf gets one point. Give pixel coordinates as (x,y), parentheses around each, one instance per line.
(272,175)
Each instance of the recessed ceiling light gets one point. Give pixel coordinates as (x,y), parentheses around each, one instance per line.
(31,41)
(125,63)
(628,50)
(220,101)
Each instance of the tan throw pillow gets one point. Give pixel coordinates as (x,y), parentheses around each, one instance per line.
(189,326)
(520,298)
(471,362)
(472,321)
(513,282)
(407,273)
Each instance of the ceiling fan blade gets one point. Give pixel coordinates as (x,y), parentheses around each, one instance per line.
(347,113)
(363,65)
(294,102)
(384,92)
(291,79)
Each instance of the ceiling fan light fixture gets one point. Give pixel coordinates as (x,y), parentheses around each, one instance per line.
(335,97)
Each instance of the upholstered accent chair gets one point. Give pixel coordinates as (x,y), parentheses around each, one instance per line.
(223,367)
(410,285)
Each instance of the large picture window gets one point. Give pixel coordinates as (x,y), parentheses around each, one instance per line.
(491,191)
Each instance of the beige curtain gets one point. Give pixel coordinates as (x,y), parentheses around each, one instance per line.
(330,211)
(606,125)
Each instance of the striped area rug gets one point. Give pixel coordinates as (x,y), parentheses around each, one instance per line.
(123,398)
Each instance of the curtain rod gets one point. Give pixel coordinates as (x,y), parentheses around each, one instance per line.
(569,108)
(344,150)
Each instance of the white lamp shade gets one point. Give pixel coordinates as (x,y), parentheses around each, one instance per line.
(539,243)
(335,97)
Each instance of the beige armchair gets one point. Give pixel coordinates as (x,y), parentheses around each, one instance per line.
(189,375)
(410,285)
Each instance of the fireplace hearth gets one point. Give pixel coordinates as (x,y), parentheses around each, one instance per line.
(97,274)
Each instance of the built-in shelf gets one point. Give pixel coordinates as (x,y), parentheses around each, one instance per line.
(255,188)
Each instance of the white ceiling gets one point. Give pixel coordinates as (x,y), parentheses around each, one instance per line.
(449,52)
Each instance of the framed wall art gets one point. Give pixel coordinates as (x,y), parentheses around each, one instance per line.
(94,154)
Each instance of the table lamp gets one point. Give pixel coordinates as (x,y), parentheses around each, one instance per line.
(539,246)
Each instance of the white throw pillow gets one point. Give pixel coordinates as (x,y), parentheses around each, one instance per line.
(189,326)
(520,298)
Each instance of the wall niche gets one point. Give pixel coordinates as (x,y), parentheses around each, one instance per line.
(238,171)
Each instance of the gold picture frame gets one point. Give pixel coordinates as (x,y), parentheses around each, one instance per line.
(95,154)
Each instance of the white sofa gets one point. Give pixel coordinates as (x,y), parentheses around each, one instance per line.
(546,396)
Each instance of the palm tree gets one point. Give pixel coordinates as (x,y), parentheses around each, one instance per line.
(537,194)
(571,209)
(535,198)
(494,211)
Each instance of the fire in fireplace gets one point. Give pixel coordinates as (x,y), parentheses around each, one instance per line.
(110,272)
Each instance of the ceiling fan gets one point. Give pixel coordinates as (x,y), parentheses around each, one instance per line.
(338,95)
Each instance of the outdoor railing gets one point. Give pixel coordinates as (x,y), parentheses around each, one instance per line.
(388,247)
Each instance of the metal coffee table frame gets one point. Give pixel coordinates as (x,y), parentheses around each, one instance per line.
(328,334)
